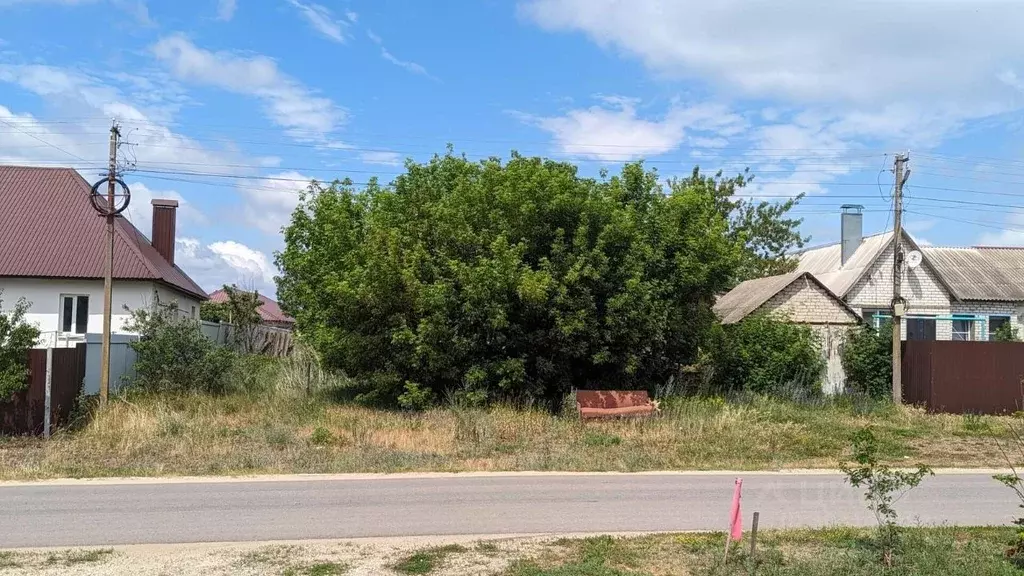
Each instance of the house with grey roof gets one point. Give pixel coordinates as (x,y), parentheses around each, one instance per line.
(52,253)
(803,299)
(950,293)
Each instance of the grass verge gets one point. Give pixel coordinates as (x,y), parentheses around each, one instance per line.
(840,551)
(249,434)
(426,561)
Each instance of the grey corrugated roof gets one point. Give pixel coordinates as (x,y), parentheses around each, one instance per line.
(48,228)
(982,273)
(744,299)
(748,296)
(824,262)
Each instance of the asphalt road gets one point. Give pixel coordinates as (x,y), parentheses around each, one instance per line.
(149,513)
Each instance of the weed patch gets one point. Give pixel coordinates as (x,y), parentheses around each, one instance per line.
(426,561)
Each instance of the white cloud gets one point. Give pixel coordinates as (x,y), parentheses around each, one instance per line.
(407,64)
(140,209)
(322,20)
(287,102)
(807,49)
(381,157)
(225,262)
(226,9)
(1012,235)
(73,94)
(269,203)
(914,71)
(615,131)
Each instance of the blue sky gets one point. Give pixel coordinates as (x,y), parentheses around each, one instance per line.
(231,104)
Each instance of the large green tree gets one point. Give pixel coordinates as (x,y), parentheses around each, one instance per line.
(517,280)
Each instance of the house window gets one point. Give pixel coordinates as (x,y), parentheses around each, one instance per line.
(193,312)
(962,328)
(921,328)
(74,311)
(994,323)
(872,316)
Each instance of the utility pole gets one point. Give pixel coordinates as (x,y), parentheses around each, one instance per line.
(898,304)
(108,277)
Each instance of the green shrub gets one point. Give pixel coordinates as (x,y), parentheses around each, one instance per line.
(765,354)
(321,436)
(520,280)
(867,361)
(1006,333)
(416,397)
(172,355)
(16,338)
(254,374)
(883,487)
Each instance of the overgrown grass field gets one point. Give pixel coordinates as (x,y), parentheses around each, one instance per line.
(290,431)
(839,551)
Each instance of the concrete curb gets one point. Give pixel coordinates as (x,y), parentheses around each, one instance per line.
(149,480)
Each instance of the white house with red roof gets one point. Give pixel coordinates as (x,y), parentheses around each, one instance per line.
(52,245)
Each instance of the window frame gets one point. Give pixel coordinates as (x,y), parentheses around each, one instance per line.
(991,329)
(870,319)
(969,320)
(75,300)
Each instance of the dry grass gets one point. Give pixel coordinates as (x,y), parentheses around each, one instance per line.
(950,551)
(288,433)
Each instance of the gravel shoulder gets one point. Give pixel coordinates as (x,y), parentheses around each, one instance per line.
(463,556)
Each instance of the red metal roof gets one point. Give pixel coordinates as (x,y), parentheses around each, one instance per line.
(49,229)
(269,310)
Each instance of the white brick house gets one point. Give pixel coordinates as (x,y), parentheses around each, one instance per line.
(801,298)
(953,294)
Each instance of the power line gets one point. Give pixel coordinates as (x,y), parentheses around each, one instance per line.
(51,145)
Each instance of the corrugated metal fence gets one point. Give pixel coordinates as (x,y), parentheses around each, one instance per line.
(24,413)
(964,377)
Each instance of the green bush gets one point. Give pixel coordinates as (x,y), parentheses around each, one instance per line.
(867,361)
(16,338)
(1006,333)
(172,355)
(519,281)
(765,354)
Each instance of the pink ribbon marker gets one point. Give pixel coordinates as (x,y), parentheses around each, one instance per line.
(735,518)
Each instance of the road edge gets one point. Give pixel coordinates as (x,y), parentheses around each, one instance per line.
(149,480)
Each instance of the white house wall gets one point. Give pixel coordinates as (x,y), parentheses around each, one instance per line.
(922,290)
(976,308)
(805,302)
(44,295)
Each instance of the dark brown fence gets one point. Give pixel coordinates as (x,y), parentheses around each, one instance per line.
(964,377)
(25,411)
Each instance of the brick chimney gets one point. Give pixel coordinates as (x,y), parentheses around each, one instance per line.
(165,215)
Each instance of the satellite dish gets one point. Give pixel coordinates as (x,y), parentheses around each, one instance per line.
(914,259)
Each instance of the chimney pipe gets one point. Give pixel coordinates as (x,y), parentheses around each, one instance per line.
(851,230)
(165,214)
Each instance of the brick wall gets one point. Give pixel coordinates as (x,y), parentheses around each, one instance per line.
(980,330)
(922,290)
(805,302)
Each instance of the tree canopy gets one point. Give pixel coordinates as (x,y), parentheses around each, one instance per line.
(519,280)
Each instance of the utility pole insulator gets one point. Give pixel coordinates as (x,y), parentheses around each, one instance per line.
(898,303)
